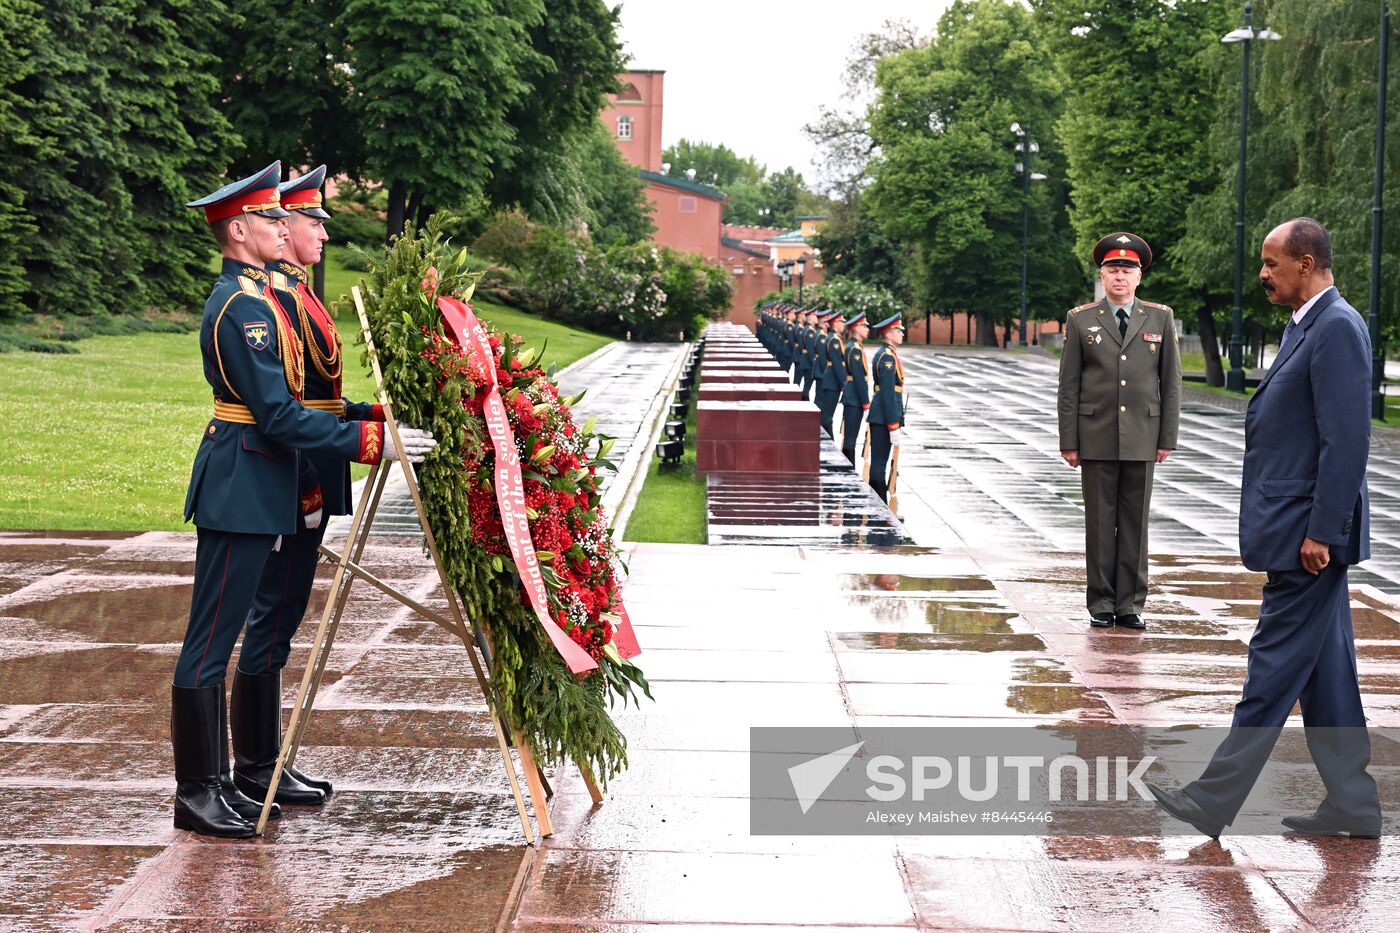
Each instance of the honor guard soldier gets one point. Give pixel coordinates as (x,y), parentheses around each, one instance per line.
(802,353)
(855,396)
(1119,406)
(782,350)
(819,335)
(285,588)
(250,485)
(833,378)
(886,402)
(812,343)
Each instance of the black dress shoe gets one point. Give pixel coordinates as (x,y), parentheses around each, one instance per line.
(1132,620)
(195,737)
(1182,807)
(1101,620)
(1316,825)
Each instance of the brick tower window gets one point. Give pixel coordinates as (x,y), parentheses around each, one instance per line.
(624,127)
(687,205)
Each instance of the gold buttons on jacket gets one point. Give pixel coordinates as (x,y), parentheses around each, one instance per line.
(1123,357)
(1122,407)
(1122,382)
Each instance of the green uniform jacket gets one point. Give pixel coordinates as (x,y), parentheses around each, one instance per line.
(1120,397)
(857,389)
(833,377)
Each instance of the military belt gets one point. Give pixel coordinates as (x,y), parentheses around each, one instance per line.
(335,406)
(238,414)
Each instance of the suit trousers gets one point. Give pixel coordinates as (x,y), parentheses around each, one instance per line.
(1302,651)
(280,602)
(807,380)
(827,400)
(227,568)
(1117,495)
(880,460)
(850,415)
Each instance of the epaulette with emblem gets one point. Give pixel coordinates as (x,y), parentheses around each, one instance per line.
(1153,304)
(1086,307)
(280,282)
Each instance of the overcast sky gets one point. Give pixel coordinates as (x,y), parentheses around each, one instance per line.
(750,73)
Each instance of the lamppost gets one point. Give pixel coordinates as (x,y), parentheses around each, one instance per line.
(801,275)
(1027,147)
(784,275)
(1374,318)
(1234,379)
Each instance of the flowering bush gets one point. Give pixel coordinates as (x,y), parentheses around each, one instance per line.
(847,295)
(440,385)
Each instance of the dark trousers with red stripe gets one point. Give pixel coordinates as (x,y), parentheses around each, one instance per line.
(227,569)
(280,602)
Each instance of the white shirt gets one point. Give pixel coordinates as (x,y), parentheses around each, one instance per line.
(1307,305)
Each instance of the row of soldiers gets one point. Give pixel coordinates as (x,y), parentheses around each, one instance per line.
(825,353)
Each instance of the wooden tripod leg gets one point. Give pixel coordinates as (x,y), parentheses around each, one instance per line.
(391,428)
(591,784)
(865,456)
(320,645)
(894,481)
(532,781)
(354,550)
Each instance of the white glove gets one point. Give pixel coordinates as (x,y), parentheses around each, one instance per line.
(416,444)
(313,520)
(895,437)
(277,545)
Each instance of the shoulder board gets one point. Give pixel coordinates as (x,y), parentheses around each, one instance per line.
(248,287)
(1092,304)
(280,281)
(1153,304)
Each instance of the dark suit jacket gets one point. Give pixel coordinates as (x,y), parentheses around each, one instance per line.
(1307,437)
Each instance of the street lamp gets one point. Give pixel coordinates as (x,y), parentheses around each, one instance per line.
(801,275)
(1247,34)
(1026,148)
(1374,318)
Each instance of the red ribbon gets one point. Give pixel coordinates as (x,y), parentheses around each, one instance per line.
(464,328)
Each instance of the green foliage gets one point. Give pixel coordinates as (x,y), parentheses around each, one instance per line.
(110,124)
(847,295)
(357,216)
(532,687)
(714,165)
(695,290)
(615,204)
(945,183)
(853,246)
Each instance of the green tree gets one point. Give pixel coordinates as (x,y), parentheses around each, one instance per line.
(945,183)
(782,195)
(714,165)
(853,246)
(1138,111)
(21,149)
(616,206)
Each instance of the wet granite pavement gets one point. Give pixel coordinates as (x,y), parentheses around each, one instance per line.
(978,623)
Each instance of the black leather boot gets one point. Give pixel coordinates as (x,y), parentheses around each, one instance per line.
(240,803)
(257,740)
(194,736)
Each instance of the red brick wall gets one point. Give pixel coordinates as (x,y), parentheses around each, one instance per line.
(644,148)
(694,232)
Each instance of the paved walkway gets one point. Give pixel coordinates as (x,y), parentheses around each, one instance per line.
(979,623)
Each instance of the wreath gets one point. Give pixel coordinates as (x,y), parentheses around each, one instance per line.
(438,381)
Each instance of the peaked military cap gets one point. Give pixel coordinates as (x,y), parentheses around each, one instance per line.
(854,319)
(895,320)
(1123,249)
(256,194)
(303,193)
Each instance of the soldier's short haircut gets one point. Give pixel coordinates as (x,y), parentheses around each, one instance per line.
(1307,237)
(220,230)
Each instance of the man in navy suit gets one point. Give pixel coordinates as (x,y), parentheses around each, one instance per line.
(1303,520)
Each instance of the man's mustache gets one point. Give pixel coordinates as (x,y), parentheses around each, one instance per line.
(1267,286)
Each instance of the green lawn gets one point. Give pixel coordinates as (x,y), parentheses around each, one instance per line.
(103,440)
(671,506)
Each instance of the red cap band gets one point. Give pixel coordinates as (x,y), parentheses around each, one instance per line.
(1113,254)
(262,199)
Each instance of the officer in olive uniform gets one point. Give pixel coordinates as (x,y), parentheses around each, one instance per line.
(886,416)
(250,485)
(833,379)
(285,589)
(1119,407)
(855,396)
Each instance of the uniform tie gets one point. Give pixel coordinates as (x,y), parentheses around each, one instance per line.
(1122,322)
(1287,332)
